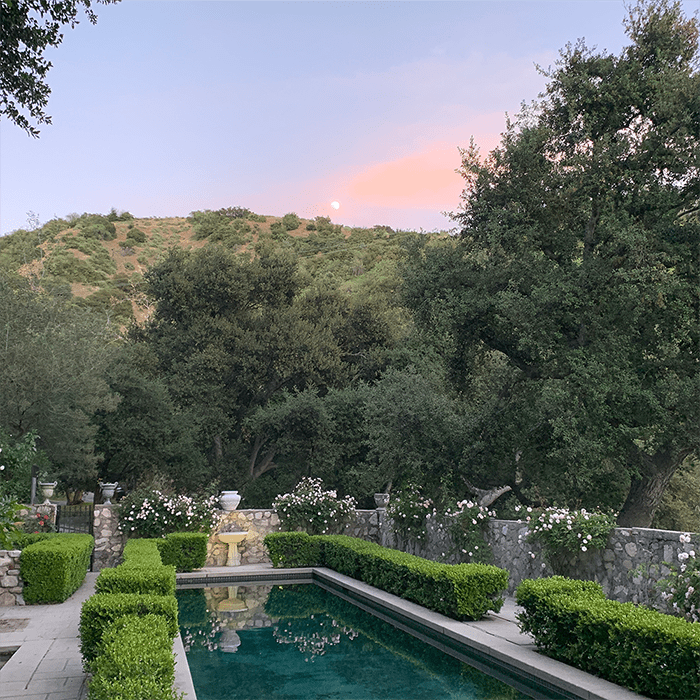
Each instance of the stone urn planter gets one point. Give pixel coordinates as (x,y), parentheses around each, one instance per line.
(229,500)
(381,500)
(47,489)
(108,491)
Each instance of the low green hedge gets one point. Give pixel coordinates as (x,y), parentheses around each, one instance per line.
(158,580)
(103,609)
(20,540)
(462,591)
(648,652)
(142,552)
(136,661)
(141,572)
(185,551)
(289,550)
(55,567)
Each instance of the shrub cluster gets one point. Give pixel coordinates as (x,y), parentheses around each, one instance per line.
(147,513)
(409,509)
(680,590)
(462,591)
(653,654)
(313,510)
(467,524)
(185,551)
(54,567)
(562,531)
(127,628)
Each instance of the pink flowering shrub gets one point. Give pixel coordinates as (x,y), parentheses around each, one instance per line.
(680,590)
(562,532)
(147,513)
(311,509)
(408,509)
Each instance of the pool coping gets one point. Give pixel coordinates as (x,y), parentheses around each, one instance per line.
(496,637)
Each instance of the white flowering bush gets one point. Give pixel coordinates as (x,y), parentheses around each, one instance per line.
(408,509)
(680,590)
(147,513)
(561,531)
(311,509)
(468,520)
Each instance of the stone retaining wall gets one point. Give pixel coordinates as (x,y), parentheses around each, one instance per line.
(109,542)
(258,523)
(634,560)
(11,585)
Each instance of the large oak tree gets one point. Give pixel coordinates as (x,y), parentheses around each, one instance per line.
(576,276)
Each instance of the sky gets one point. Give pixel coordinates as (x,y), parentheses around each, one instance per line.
(170,106)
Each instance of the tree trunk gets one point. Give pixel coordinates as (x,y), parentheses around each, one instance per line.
(648,487)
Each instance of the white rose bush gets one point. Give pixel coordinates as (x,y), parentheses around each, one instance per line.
(311,509)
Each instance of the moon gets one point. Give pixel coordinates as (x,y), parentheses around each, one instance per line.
(335,205)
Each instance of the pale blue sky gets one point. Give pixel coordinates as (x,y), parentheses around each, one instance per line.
(168,106)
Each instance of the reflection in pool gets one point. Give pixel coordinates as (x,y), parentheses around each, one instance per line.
(262,642)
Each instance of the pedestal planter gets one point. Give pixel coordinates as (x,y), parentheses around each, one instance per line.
(381,500)
(47,489)
(108,491)
(229,500)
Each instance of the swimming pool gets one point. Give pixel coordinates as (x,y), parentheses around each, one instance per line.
(289,642)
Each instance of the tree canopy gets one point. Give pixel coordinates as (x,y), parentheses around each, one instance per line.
(29,27)
(576,271)
(54,360)
(229,335)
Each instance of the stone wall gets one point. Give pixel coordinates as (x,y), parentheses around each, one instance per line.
(634,560)
(259,522)
(109,542)
(11,585)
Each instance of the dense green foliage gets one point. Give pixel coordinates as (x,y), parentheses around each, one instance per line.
(653,654)
(127,628)
(550,347)
(313,510)
(17,456)
(149,513)
(54,359)
(185,551)
(102,609)
(463,591)
(288,550)
(571,292)
(55,567)
(141,572)
(136,661)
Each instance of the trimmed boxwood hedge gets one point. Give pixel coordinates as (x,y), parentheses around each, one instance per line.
(103,609)
(462,591)
(185,551)
(55,567)
(648,652)
(288,550)
(141,572)
(127,628)
(136,661)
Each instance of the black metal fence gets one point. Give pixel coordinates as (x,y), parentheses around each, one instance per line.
(75,518)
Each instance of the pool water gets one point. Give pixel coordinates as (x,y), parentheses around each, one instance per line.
(264,642)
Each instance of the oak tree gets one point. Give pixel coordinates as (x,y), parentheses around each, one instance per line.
(577,272)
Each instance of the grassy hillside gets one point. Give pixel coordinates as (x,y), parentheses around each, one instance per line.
(100,261)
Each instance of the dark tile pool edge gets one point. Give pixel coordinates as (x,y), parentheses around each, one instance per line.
(513,659)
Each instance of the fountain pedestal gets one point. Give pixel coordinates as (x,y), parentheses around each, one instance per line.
(232,539)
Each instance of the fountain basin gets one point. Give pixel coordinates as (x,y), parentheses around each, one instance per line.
(232,539)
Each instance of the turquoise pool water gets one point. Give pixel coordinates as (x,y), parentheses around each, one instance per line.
(299,642)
